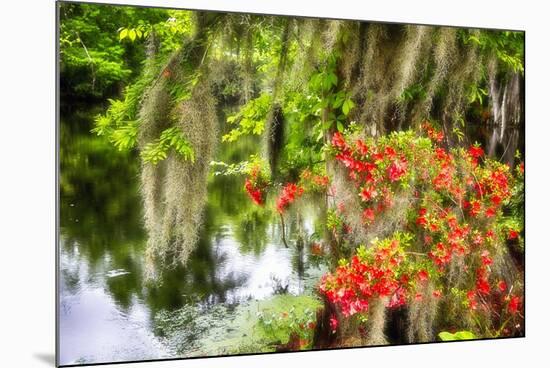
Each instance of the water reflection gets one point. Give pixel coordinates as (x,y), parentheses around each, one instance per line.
(107,308)
(501,144)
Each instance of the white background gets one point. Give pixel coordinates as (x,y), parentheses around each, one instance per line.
(27,201)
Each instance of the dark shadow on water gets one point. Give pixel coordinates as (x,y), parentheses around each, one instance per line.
(46,358)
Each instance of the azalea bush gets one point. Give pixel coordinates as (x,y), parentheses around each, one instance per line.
(455,238)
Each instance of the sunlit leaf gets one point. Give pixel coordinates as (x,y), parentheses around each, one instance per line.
(123,34)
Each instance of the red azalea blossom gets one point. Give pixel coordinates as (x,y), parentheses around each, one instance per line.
(255,194)
(255,185)
(490,212)
(478,240)
(476,152)
(485,258)
(513,306)
(423,275)
(390,152)
(378,156)
(496,199)
(397,169)
(289,194)
(333,323)
(441,255)
(472,302)
(421,221)
(502,286)
(368,214)
(434,134)
(362,147)
(513,234)
(482,285)
(368,193)
(338,140)
(397,299)
(475,208)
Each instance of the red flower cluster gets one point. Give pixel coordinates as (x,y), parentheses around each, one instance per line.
(434,134)
(443,180)
(368,275)
(482,282)
(289,194)
(514,304)
(313,181)
(374,170)
(512,234)
(333,323)
(397,169)
(475,153)
(454,237)
(255,186)
(488,192)
(254,194)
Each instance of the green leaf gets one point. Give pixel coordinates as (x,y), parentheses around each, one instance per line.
(327,124)
(474,39)
(123,34)
(460,335)
(465,335)
(157,151)
(338,101)
(347,106)
(132,35)
(320,136)
(250,119)
(333,79)
(340,126)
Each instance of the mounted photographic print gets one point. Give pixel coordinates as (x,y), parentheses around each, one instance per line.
(234,183)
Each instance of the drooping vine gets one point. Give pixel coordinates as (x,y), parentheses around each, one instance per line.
(298,82)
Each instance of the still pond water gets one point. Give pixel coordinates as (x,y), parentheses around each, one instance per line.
(109,312)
